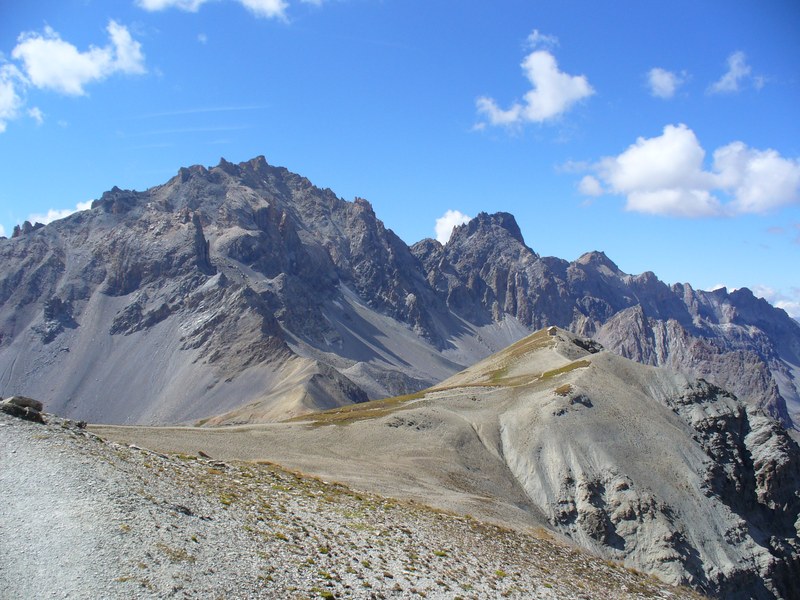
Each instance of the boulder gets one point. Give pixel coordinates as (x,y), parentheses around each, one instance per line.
(23,408)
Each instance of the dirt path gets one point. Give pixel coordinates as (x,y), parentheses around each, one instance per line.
(84,518)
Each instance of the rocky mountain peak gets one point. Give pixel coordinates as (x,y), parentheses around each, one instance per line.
(363,205)
(484,224)
(230,168)
(25,229)
(598,259)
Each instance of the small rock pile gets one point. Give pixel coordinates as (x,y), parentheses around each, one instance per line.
(23,408)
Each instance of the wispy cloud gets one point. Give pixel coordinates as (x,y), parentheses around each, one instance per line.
(553,91)
(260,8)
(738,73)
(157,5)
(665,175)
(663,83)
(12,90)
(202,110)
(36,114)
(171,131)
(787,300)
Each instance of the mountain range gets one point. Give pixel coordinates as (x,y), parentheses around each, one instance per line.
(243,293)
(650,423)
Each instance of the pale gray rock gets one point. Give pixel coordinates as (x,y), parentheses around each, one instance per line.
(23,408)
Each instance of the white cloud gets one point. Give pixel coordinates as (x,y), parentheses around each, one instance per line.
(12,84)
(128,52)
(260,8)
(51,63)
(266,8)
(36,114)
(663,83)
(665,175)
(446,223)
(156,5)
(553,91)
(540,40)
(2,231)
(590,186)
(761,180)
(738,70)
(54,214)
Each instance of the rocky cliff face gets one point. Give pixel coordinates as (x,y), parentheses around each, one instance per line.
(486,272)
(227,285)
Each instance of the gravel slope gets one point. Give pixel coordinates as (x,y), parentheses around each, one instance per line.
(86,518)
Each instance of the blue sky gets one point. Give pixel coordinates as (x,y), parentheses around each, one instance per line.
(666,134)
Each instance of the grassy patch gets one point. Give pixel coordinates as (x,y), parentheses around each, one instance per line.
(578,364)
(358,412)
(176,554)
(536,341)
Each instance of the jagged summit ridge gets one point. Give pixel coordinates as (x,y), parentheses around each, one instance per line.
(238,271)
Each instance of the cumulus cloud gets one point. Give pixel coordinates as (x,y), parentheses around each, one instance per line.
(663,83)
(260,8)
(738,71)
(761,180)
(553,92)
(446,223)
(52,63)
(665,175)
(12,84)
(55,214)
(2,231)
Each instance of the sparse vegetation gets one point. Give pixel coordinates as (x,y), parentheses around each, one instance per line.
(578,364)
(563,390)
(175,554)
(356,412)
(310,538)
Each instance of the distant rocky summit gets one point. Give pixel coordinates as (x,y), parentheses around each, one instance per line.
(242,293)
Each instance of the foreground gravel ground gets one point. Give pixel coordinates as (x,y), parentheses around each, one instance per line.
(84,518)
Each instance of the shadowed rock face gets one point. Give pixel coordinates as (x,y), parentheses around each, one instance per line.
(226,285)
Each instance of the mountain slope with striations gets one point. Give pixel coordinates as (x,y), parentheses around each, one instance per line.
(670,474)
(242,293)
